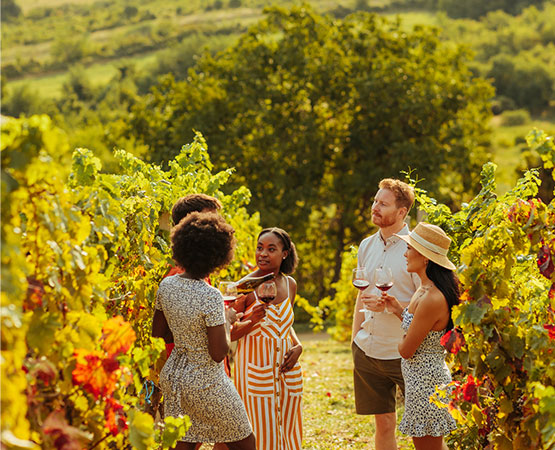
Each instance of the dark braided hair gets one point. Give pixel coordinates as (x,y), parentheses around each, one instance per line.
(446,281)
(289,263)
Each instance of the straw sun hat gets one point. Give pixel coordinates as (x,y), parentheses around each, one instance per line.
(431,242)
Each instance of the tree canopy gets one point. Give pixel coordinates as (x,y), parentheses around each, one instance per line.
(314,111)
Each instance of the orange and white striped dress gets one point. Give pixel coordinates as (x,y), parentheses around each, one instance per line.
(273,400)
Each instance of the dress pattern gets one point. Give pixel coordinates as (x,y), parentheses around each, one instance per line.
(192,383)
(273,400)
(422,373)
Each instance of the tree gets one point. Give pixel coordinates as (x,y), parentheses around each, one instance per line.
(528,83)
(475,9)
(313,112)
(10,10)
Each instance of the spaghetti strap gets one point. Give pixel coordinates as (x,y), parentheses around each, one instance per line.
(287,286)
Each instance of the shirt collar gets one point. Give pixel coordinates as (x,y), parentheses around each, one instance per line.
(393,239)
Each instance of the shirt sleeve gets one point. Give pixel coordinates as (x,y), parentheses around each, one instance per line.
(215,313)
(361,253)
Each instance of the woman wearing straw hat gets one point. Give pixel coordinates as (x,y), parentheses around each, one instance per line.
(425,321)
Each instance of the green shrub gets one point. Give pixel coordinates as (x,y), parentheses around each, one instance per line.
(10,10)
(23,100)
(502,103)
(529,83)
(130,11)
(477,8)
(514,118)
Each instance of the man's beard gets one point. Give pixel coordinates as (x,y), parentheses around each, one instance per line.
(384,221)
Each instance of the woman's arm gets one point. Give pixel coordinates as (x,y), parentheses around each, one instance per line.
(160,327)
(248,322)
(427,313)
(292,356)
(393,305)
(217,342)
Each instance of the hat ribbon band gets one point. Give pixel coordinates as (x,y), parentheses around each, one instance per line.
(434,248)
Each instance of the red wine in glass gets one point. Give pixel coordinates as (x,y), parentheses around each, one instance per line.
(267,299)
(267,293)
(383,278)
(361,284)
(229,299)
(384,287)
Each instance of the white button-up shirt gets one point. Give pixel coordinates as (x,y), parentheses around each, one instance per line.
(381,332)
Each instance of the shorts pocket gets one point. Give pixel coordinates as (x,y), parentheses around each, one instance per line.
(260,380)
(294,381)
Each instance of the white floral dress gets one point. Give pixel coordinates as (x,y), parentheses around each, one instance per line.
(422,373)
(192,383)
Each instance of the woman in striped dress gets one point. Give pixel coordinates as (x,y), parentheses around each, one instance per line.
(267,374)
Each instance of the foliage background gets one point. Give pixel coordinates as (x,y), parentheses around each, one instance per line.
(309,110)
(82,256)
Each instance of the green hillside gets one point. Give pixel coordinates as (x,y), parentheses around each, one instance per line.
(45,42)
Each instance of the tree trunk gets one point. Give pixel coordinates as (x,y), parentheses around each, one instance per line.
(338,258)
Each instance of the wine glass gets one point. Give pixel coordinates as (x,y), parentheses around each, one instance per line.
(267,293)
(360,280)
(229,291)
(383,278)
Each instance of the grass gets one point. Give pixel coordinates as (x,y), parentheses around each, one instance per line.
(329,419)
(410,19)
(28,5)
(50,86)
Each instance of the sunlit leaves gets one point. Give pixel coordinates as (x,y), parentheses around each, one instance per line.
(174,428)
(506,312)
(117,336)
(82,257)
(97,373)
(141,430)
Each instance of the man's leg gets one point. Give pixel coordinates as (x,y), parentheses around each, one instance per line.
(385,431)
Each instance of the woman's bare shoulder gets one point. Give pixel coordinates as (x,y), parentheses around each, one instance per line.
(431,299)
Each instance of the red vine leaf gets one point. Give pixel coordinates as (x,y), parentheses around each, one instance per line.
(453,341)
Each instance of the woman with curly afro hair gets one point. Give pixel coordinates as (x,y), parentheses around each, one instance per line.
(193,380)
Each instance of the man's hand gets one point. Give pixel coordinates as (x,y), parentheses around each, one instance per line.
(373,302)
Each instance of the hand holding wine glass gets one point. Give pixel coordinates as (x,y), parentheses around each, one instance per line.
(229,292)
(383,278)
(360,281)
(267,293)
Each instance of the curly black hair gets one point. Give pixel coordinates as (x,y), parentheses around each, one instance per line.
(289,264)
(194,202)
(202,243)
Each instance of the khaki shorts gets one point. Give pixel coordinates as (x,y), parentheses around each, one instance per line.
(375,382)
